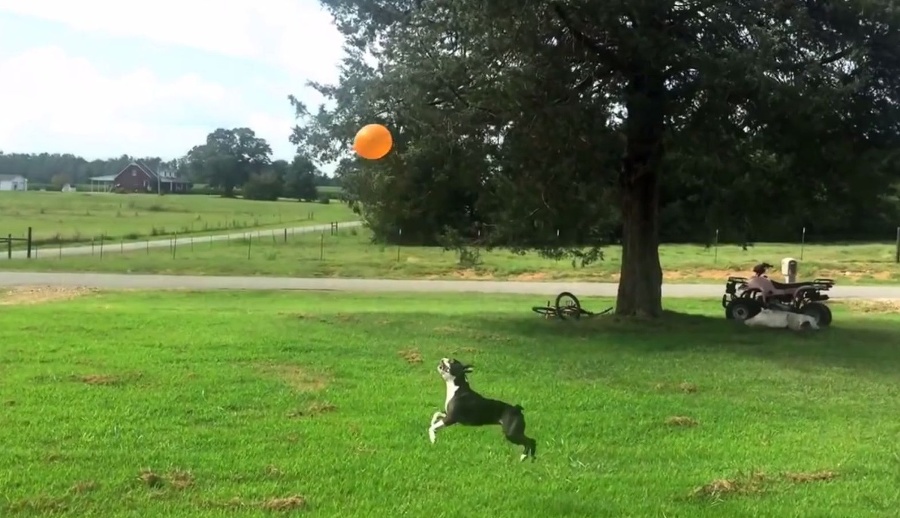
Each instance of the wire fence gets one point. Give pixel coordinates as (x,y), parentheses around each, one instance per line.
(347,249)
(803,243)
(176,244)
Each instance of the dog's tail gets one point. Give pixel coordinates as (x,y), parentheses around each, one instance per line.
(519,408)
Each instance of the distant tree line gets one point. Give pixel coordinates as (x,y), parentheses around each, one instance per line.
(231,161)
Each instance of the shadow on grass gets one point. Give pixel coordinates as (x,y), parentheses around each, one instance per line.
(860,344)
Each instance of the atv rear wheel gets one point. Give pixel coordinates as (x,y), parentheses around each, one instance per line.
(741,309)
(820,312)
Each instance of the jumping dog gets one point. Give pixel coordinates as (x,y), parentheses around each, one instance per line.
(469,408)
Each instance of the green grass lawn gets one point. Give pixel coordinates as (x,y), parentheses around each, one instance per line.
(77,217)
(351,254)
(241,403)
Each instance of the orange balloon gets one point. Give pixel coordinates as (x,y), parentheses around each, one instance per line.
(373,141)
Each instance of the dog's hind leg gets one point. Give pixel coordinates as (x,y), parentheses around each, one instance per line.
(514,430)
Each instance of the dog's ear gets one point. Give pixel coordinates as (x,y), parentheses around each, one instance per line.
(467,369)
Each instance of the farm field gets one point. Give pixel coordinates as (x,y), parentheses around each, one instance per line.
(240,404)
(351,253)
(69,218)
(329,189)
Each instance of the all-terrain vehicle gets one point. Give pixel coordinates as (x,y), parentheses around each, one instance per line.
(745,297)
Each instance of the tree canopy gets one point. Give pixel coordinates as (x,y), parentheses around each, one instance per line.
(564,125)
(229,158)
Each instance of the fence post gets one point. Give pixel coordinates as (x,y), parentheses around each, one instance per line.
(802,242)
(285,235)
(322,246)
(249,244)
(174,245)
(102,236)
(897,252)
(29,243)
(60,249)
(716,251)
(9,246)
(399,238)
(92,245)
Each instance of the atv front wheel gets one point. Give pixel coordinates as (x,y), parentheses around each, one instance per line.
(821,313)
(741,309)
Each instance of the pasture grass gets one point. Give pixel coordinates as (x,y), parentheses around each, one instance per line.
(58,217)
(351,253)
(329,189)
(246,404)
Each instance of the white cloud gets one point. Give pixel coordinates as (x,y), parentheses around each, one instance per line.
(295,35)
(53,101)
(48,97)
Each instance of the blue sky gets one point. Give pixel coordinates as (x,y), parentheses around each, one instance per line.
(100,79)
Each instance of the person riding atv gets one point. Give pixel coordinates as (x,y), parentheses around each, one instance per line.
(770,288)
(745,297)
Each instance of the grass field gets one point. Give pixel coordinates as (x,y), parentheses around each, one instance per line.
(241,404)
(351,254)
(58,217)
(329,189)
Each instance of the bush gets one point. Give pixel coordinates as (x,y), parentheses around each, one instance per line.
(206,191)
(265,187)
(330,193)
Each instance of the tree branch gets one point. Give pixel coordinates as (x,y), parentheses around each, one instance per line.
(610,58)
(837,56)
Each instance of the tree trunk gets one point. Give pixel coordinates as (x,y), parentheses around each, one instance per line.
(640,282)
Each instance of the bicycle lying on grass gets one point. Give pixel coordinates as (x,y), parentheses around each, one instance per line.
(567,306)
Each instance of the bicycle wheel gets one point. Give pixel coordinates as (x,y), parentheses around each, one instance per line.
(568,306)
(545,311)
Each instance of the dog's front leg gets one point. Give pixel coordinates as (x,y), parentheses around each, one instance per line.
(436,423)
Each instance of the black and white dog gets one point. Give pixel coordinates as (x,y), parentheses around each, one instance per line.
(467,407)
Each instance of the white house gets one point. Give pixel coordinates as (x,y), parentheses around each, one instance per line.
(13,182)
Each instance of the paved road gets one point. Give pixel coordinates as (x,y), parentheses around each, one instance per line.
(596,289)
(115,247)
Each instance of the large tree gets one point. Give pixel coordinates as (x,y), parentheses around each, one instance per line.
(559,121)
(228,158)
(300,179)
